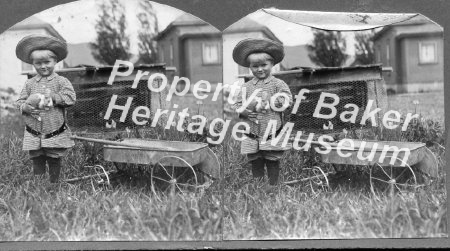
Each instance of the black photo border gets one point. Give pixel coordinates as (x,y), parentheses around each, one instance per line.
(221,14)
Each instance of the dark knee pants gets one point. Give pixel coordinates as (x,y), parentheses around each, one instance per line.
(54,166)
(273,169)
(50,156)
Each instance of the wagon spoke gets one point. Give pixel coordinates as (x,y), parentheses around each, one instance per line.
(179,188)
(382,169)
(408,185)
(398,188)
(188,185)
(381,180)
(158,178)
(165,170)
(400,174)
(183,173)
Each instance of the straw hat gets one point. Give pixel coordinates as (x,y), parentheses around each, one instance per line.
(31,43)
(252,45)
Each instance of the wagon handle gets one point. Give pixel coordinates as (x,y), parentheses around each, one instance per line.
(117,143)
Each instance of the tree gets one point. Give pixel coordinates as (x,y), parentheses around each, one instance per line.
(364,47)
(146,34)
(112,42)
(328,48)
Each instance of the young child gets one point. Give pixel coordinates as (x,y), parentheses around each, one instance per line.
(46,136)
(260,55)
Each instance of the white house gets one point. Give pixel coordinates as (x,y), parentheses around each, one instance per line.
(11,68)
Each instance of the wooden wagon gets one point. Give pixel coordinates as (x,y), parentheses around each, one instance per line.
(356,85)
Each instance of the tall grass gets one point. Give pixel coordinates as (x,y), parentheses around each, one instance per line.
(347,208)
(236,208)
(33,209)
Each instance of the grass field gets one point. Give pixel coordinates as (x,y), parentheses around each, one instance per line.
(238,208)
(429,104)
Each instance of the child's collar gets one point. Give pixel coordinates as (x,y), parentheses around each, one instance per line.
(50,77)
(265,81)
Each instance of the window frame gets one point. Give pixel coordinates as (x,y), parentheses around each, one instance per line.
(434,43)
(211,43)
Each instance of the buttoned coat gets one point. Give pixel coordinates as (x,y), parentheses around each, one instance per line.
(271,85)
(52,119)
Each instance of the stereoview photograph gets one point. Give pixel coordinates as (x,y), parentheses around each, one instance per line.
(87,94)
(339,126)
(136,121)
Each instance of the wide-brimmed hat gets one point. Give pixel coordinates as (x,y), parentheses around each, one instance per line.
(31,43)
(256,45)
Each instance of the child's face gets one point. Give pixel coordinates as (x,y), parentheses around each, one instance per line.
(260,65)
(43,62)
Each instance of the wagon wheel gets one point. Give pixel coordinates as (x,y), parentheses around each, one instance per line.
(392,178)
(208,169)
(427,167)
(173,179)
(316,178)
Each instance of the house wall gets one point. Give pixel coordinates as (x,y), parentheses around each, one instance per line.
(418,77)
(381,55)
(164,51)
(188,63)
(196,69)
(408,75)
(172,38)
(10,65)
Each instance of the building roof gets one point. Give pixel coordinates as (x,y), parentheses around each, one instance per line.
(247,24)
(422,24)
(185,19)
(188,19)
(34,22)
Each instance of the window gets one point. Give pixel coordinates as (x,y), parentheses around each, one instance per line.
(211,53)
(427,52)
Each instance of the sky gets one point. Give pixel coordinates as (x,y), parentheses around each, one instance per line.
(292,34)
(75,21)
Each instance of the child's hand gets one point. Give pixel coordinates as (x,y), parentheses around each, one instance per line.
(248,114)
(28,109)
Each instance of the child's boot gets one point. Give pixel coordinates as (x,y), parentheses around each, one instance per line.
(258,168)
(273,171)
(39,165)
(54,168)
